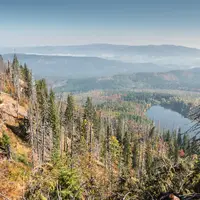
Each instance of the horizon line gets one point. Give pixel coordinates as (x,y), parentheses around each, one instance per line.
(90,44)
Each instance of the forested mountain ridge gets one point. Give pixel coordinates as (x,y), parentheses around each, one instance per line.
(62,67)
(176,79)
(156,54)
(73,151)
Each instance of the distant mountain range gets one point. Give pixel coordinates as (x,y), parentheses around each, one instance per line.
(61,67)
(158,54)
(177,79)
(121,66)
(152,50)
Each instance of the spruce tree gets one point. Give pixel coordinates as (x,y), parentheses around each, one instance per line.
(96,125)
(119,130)
(185,142)
(176,148)
(55,123)
(148,158)
(16,76)
(69,112)
(179,138)
(88,109)
(69,118)
(126,149)
(135,155)
(28,80)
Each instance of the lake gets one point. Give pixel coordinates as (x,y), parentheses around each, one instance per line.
(166,119)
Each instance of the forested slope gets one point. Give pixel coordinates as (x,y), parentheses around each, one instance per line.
(179,79)
(68,151)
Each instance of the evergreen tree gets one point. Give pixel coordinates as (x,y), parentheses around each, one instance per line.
(96,125)
(135,155)
(16,76)
(42,93)
(179,139)
(28,80)
(126,149)
(167,136)
(119,130)
(69,120)
(15,66)
(185,142)
(176,149)
(55,123)
(148,158)
(88,109)
(69,112)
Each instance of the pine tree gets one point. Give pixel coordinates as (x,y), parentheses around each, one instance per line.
(148,158)
(135,155)
(69,112)
(119,130)
(16,79)
(176,148)
(96,125)
(28,80)
(179,139)
(88,109)
(167,136)
(126,149)
(42,93)
(55,124)
(69,120)
(185,142)
(15,66)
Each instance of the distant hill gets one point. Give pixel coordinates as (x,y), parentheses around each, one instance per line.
(93,49)
(177,79)
(58,67)
(158,54)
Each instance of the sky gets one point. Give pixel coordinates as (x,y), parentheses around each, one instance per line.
(74,22)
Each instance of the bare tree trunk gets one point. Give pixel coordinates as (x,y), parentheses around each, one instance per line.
(32,132)
(8,152)
(90,140)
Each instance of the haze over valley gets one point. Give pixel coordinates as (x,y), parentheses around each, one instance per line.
(99,60)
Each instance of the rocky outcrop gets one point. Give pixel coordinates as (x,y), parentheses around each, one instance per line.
(10,110)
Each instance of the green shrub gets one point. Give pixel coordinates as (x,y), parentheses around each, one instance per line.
(23,159)
(52,180)
(4,140)
(69,184)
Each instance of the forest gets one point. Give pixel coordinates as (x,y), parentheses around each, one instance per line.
(186,80)
(61,149)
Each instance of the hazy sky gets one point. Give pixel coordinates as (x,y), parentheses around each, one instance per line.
(68,22)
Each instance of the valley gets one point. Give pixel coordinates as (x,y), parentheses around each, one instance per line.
(99,100)
(85,131)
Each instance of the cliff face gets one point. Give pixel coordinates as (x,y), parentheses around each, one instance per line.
(10,110)
(13,172)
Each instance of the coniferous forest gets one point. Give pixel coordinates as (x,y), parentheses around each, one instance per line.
(52,147)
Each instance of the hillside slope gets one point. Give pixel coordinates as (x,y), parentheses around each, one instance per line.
(13,172)
(178,79)
(82,67)
(99,49)
(158,54)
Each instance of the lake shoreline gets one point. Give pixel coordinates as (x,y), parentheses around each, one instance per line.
(168,119)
